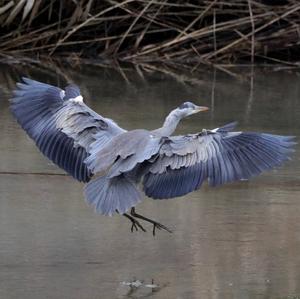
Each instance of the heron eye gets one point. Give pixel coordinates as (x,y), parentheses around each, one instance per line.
(184,106)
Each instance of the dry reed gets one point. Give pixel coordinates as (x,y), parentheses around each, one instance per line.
(147,31)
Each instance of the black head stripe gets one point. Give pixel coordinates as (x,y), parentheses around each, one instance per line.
(186,105)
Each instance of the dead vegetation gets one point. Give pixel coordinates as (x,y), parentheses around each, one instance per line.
(147,31)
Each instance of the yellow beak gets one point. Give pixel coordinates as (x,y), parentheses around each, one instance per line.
(200,109)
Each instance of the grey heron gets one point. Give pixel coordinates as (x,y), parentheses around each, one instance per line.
(114,162)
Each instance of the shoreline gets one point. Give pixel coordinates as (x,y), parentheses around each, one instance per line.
(156,31)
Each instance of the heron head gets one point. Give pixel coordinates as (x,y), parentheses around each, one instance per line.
(188,108)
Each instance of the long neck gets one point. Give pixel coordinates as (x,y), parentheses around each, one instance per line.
(169,125)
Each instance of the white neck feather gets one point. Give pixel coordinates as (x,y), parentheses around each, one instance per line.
(169,125)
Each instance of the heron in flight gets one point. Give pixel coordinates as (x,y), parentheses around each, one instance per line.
(114,162)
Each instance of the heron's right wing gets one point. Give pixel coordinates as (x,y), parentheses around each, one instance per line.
(220,156)
(62,126)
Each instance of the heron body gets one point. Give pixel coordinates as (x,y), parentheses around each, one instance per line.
(114,162)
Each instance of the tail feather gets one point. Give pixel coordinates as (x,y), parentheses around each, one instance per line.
(111,195)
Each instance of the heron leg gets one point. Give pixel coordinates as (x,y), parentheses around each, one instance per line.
(135,224)
(156,225)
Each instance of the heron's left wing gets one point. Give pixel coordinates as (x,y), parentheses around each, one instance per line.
(220,156)
(62,126)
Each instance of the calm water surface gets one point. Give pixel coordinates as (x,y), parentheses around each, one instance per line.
(241,240)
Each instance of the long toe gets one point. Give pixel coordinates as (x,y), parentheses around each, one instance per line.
(160,227)
(140,226)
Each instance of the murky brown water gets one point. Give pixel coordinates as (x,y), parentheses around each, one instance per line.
(241,240)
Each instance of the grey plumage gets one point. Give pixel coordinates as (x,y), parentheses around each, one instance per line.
(84,143)
(111,195)
(63,129)
(220,156)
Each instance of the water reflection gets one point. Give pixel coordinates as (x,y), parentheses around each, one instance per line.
(238,241)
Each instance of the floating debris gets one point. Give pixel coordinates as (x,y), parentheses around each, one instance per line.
(138,283)
(135,284)
(151,286)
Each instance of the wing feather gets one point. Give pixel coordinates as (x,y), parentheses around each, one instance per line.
(62,126)
(220,156)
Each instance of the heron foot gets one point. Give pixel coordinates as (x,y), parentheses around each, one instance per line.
(156,225)
(135,225)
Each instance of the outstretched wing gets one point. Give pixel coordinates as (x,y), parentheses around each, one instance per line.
(62,126)
(220,156)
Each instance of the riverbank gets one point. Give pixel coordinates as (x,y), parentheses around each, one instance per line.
(157,31)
